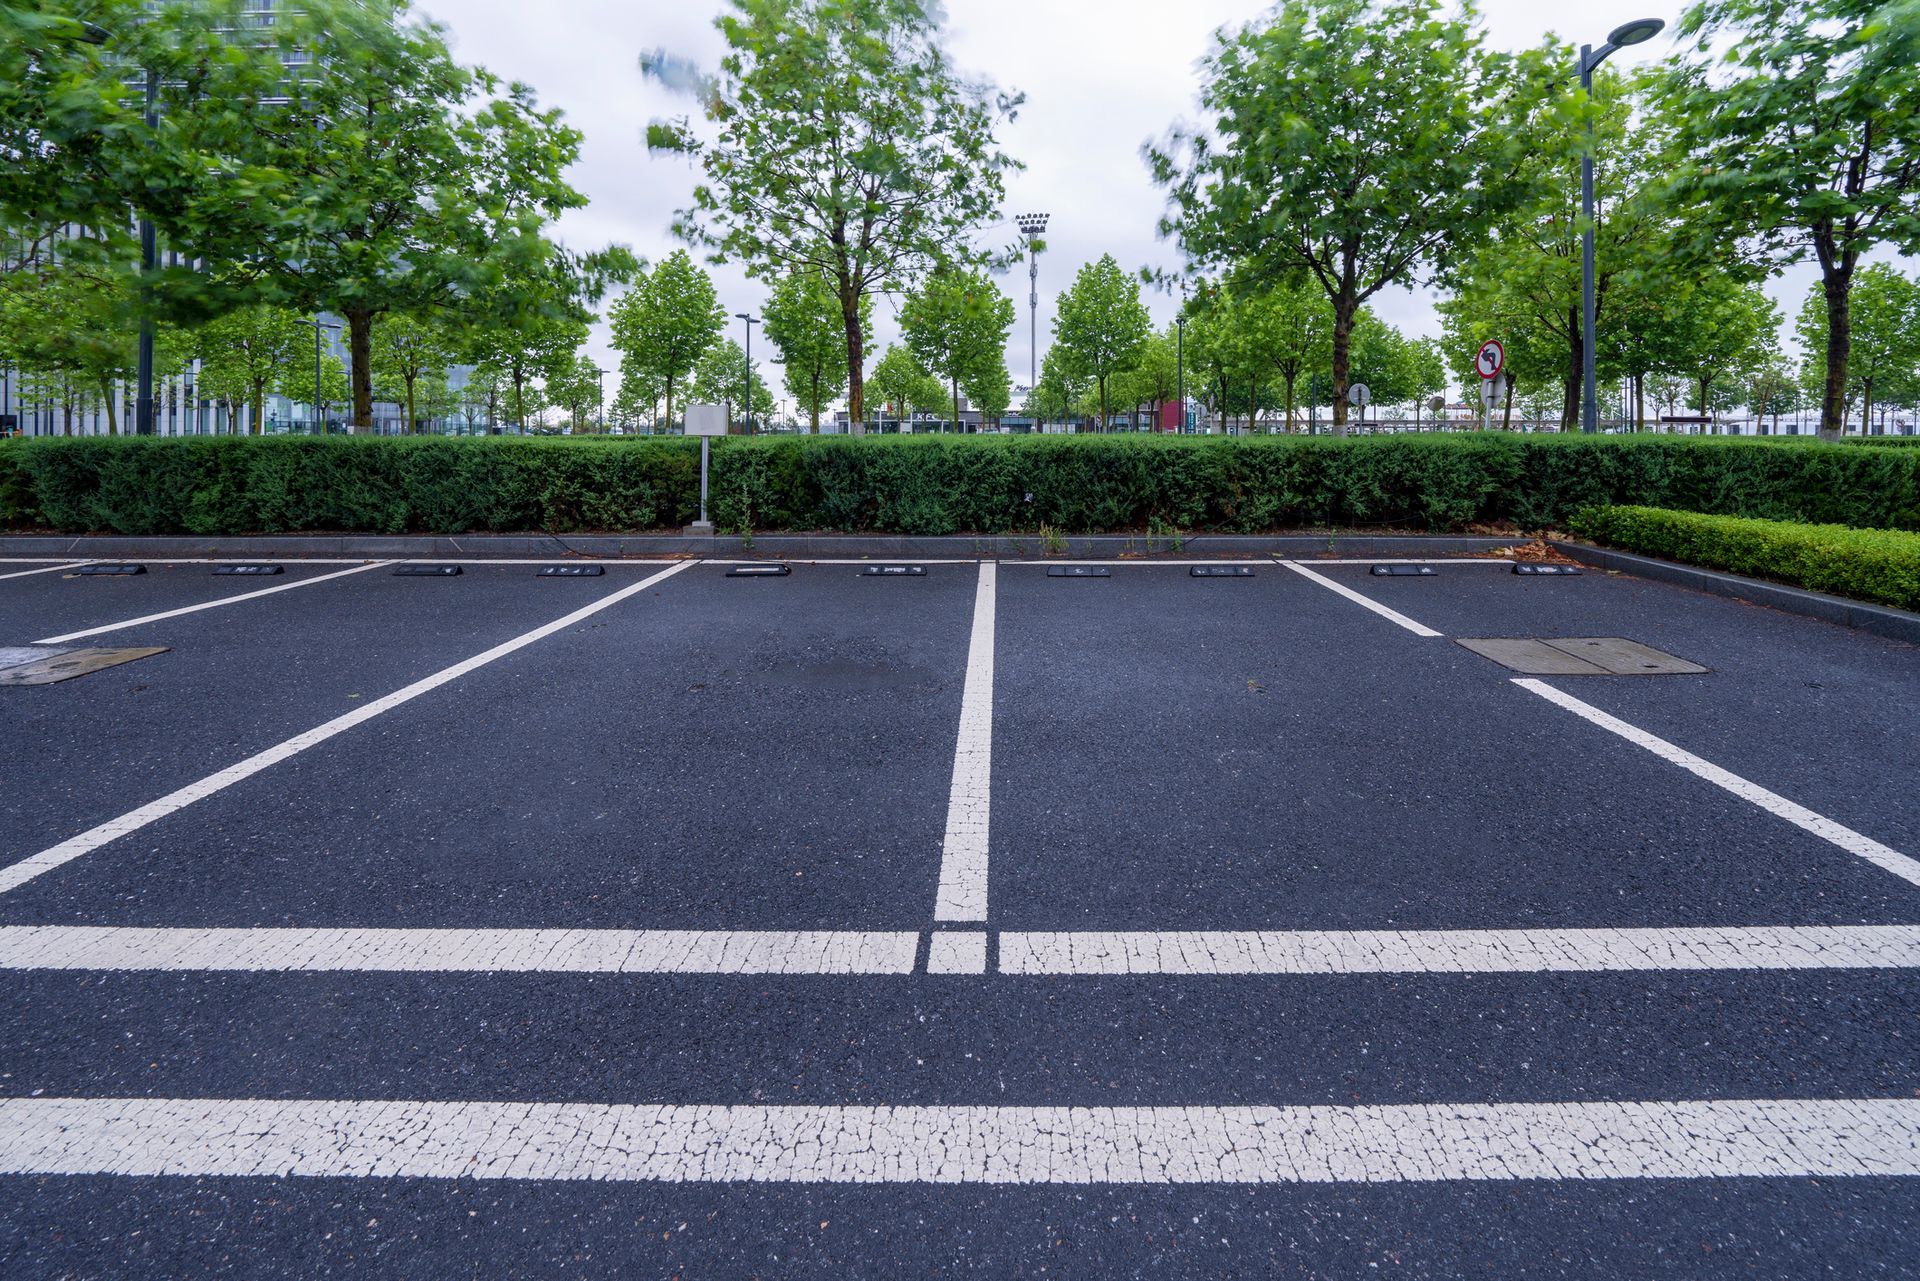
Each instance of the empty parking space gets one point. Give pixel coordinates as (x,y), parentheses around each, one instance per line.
(1280,758)
(722,753)
(1813,710)
(700,902)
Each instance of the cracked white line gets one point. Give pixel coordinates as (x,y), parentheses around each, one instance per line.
(522,951)
(210,604)
(963,858)
(1709,1139)
(14,875)
(1366,602)
(1460,951)
(1881,856)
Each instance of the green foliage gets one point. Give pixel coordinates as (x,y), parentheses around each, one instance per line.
(1801,124)
(900,383)
(1883,362)
(410,358)
(1100,326)
(956,325)
(247,352)
(803,322)
(1355,142)
(1867,564)
(934,484)
(721,378)
(665,323)
(843,142)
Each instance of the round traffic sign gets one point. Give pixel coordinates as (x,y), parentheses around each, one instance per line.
(1359,394)
(1490,358)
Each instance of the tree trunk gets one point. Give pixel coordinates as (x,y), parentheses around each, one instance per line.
(1103,403)
(257,409)
(1833,406)
(1290,406)
(667,422)
(1343,310)
(1506,412)
(1576,373)
(856,355)
(1866,407)
(1639,402)
(953,385)
(814,404)
(1713,428)
(410,418)
(106,394)
(360,352)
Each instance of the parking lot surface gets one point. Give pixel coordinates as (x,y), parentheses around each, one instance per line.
(984,920)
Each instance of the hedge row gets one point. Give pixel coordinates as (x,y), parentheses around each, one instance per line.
(931,485)
(1867,564)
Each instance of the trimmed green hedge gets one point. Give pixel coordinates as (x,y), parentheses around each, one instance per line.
(1867,564)
(931,484)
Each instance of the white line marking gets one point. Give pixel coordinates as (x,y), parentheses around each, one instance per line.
(1780,947)
(1418,629)
(707,1143)
(1892,860)
(15,875)
(464,951)
(46,569)
(957,952)
(963,857)
(211,604)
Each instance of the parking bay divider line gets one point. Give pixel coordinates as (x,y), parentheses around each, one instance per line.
(223,601)
(962,894)
(45,569)
(802,1143)
(1366,602)
(1881,856)
(1138,953)
(14,875)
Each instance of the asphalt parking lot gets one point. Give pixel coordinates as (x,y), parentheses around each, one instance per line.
(676,922)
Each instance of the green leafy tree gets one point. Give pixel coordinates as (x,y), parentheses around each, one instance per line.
(525,352)
(1802,124)
(956,325)
(573,385)
(803,323)
(1223,351)
(636,402)
(1722,330)
(1154,378)
(1057,392)
(74,324)
(1885,343)
(1100,325)
(990,387)
(667,321)
(722,377)
(842,141)
(1773,390)
(894,379)
(1356,142)
(483,394)
(1289,331)
(244,354)
(409,356)
(296,384)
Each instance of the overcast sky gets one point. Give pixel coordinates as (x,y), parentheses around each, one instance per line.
(1100,79)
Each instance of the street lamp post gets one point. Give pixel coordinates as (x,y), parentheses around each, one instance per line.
(601,405)
(747,412)
(1033,226)
(319,427)
(1180,367)
(1632,33)
(143,410)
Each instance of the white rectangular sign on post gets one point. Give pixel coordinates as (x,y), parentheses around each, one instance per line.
(706,420)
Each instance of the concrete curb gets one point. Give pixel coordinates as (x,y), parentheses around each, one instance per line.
(771,546)
(1879,620)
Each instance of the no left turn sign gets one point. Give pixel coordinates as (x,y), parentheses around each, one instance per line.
(1491,358)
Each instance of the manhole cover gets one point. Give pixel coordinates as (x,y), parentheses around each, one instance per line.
(67,664)
(1580,656)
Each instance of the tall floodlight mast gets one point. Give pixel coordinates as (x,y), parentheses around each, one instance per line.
(1032,226)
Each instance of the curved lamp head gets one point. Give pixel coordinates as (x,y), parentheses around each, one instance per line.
(1639,31)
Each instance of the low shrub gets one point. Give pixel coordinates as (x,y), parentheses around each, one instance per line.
(932,484)
(1867,564)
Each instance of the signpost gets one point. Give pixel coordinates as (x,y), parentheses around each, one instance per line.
(1359,395)
(1488,362)
(704,421)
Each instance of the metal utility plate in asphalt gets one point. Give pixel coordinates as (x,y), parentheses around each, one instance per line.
(1403,571)
(759,571)
(893,571)
(63,665)
(1580,656)
(250,571)
(1221,571)
(571,571)
(1078,571)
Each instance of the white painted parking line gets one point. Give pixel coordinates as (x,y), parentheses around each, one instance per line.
(1881,856)
(46,569)
(223,601)
(459,951)
(14,875)
(1766,947)
(1366,602)
(710,1143)
(963,857)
